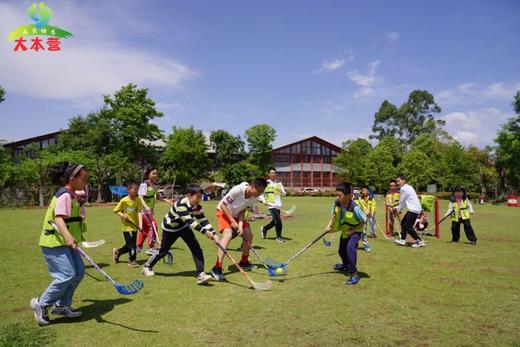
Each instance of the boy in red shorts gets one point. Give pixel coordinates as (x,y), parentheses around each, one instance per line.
(232,222)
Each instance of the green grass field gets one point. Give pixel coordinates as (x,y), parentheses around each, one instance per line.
(441,295)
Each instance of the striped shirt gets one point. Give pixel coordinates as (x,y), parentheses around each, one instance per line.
(184,215)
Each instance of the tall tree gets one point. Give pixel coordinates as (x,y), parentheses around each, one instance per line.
(508,150)
(414,117)
(130,113)
(186,155)
(351,162)
(2,94)
(228,148)
(260,140)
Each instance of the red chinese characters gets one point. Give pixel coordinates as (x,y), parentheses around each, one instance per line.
(53,44)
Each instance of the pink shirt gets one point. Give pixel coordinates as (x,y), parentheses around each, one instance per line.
(63,206)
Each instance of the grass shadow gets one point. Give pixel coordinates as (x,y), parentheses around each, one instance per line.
(96,309)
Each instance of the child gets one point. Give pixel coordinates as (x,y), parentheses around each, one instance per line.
(368,205)
(461,208)
(148,195)
(272,197)
(184,216)
(392,201)
(421,223)
(65,265)
(409,200)
(129,209)
(348,218)
(232,222)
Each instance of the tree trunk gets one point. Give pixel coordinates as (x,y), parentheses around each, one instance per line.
(99,197)
(41,193)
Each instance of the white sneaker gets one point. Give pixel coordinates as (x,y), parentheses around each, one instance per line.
(400,242)
(148,272)
(40,312)
(418,244)
(203,278)
(66,311)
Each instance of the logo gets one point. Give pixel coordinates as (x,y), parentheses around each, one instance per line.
(40,14)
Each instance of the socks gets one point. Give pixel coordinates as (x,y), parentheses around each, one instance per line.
(218,265)
(244,259)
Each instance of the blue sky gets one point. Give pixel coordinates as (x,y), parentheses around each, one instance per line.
(305,67)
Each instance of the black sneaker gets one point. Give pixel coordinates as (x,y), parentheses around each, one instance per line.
(115,255)
(263,231)
(217,274)
(66,311)
(474,243)
(40,313)
(247,266)
(339,267)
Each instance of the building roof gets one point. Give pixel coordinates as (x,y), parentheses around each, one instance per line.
(28,141)
(312,138)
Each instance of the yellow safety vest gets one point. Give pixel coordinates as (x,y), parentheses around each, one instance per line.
(344,222)
(393,199)
(463,209)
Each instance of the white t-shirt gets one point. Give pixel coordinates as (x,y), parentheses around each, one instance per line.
(236,201)
(409,199)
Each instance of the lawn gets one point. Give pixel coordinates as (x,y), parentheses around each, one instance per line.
(441,295)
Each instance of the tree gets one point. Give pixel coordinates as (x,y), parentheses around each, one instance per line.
(482,162)
(2,94)
(455,168)
(413,118)
(229,149)
(508,150)
(381,163)
(129,113)
(186,155)
(260,140)
(418,169)
(351,162)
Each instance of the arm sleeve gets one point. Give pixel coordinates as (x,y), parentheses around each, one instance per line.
(63,206)
(450,209)
(142,189)
(119,207)
(470,207)
(359,214)
(402,198)
(186,217)
(203,221)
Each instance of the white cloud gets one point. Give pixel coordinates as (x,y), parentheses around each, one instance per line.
(92,63)
(477,127)
(392,37)
(476,93)
(366,82)
(336,63)
(330,65)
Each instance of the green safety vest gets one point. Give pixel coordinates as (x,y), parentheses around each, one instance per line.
(428,203)
(51,237)
(344,222)
(464,211)
(271,192)
(393,199)
(151,192)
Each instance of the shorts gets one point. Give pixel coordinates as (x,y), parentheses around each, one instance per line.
(225,223)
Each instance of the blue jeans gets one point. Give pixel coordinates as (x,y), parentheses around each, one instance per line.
(67,268)
(372,221)
(348,252)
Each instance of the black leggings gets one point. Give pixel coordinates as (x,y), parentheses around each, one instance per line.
(130,244)
(169,238)
(275,222)
(407,225)
(468,229)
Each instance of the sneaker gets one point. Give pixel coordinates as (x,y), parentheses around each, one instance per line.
(280,240)
(263,232)
(139,249)
(372,236)
(474,243)
(40,313)
(400,242)
(203,278)
(115,255)
(133,263)
(247,266)
(148,272)
(366,248)
(339,267)
(217,274)
(418,244)
(352,280)
(66,311)
(151,251)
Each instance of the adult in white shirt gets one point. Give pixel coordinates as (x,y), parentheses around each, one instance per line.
(272,197)
(232,222)
(410,201)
